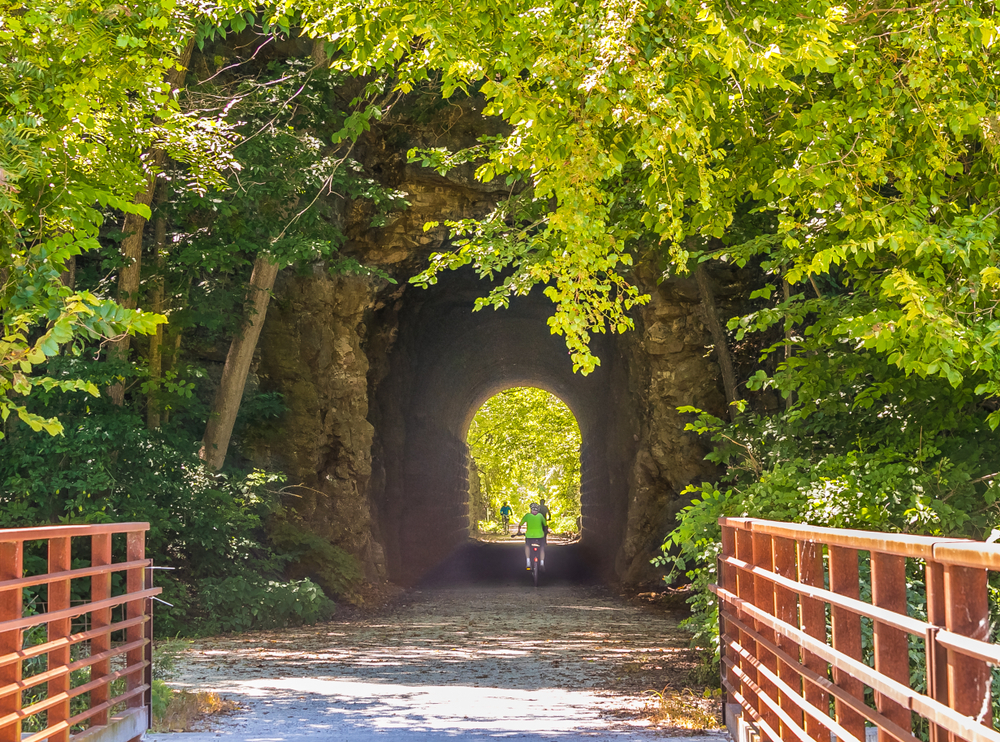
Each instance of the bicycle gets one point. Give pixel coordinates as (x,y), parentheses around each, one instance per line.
(505,522)
(535,559)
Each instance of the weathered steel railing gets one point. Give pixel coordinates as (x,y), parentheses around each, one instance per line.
(791,634)
(92,637)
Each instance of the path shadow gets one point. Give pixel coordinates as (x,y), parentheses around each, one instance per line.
(482,563)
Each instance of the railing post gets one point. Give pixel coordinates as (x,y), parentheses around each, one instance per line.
(147,650)
(813,613)
(745,591)
(10,641)
(967,613)
(100,589)
(764,599)
(892,656)
(846,634)
(59,561)
(727,632)
(786,609)
(134,583)
(937,657)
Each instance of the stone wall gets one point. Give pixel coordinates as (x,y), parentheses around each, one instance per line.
(311,351)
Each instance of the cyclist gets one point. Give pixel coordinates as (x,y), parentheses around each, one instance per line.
(533,533)
(505,512)
(544,510)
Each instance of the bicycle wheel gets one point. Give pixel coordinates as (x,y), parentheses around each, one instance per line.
(534,570)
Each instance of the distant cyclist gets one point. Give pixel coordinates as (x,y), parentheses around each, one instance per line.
(536,526)
(505,512)
(544,510)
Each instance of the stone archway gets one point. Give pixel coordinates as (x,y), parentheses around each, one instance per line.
(447,361)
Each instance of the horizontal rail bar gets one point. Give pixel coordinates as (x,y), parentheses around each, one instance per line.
(891,618)
(86,714)
(964,726)
(62,725)
(802,703)
(772,703)
(55,672)
(73,574)
(970,647)
(768,730)
(65,641)
(959,552)
(825,684)
(67,695)
(77,610)
(43,533)
(969,554)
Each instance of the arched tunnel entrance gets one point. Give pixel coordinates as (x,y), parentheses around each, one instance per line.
(524,447)
(446,361)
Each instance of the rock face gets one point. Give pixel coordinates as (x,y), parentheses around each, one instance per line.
(382,380)
(312,351)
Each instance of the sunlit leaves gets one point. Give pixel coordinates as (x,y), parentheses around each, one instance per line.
(860,132)
(526,445)
(84,97)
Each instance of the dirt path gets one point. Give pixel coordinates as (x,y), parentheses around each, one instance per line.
(479,662)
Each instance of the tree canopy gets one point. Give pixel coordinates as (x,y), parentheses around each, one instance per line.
(846,146)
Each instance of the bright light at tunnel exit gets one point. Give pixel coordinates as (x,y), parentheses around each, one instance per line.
(525,445)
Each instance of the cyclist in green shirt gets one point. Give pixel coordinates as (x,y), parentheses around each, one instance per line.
(534,532)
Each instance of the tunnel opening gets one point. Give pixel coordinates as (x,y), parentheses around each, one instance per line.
(524,447)
(442,362)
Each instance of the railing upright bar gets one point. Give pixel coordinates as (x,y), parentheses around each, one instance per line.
(846,632)
(745,591)
(967,613)
(11,558)
(147,650)
(727,632)
(60,560)
(891,645)
(937,657)
(763,558)
(786,609)
(134,583)
(100,589)
(813,622)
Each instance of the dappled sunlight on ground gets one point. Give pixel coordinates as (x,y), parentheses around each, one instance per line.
(493,662)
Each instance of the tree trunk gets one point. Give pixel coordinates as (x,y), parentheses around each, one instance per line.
(131,247)
(155,358)
(786,291)
(219,429)
(715,327)
(69,274)
(128,281)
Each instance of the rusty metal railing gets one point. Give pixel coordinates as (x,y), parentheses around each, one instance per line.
(75,660)
(790,619)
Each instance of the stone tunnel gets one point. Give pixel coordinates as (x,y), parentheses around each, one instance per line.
(447,361)
(382,380)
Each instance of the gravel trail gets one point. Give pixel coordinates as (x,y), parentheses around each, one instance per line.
(476,662)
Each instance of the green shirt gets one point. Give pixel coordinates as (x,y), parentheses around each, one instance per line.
(535,525)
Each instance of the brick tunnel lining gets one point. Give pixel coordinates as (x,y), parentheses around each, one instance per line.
(448,360)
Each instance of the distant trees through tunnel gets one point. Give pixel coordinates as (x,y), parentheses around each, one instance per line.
(524,446)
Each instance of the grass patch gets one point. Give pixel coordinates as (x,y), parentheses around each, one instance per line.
(183,711)
(180,710)
(685,709)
